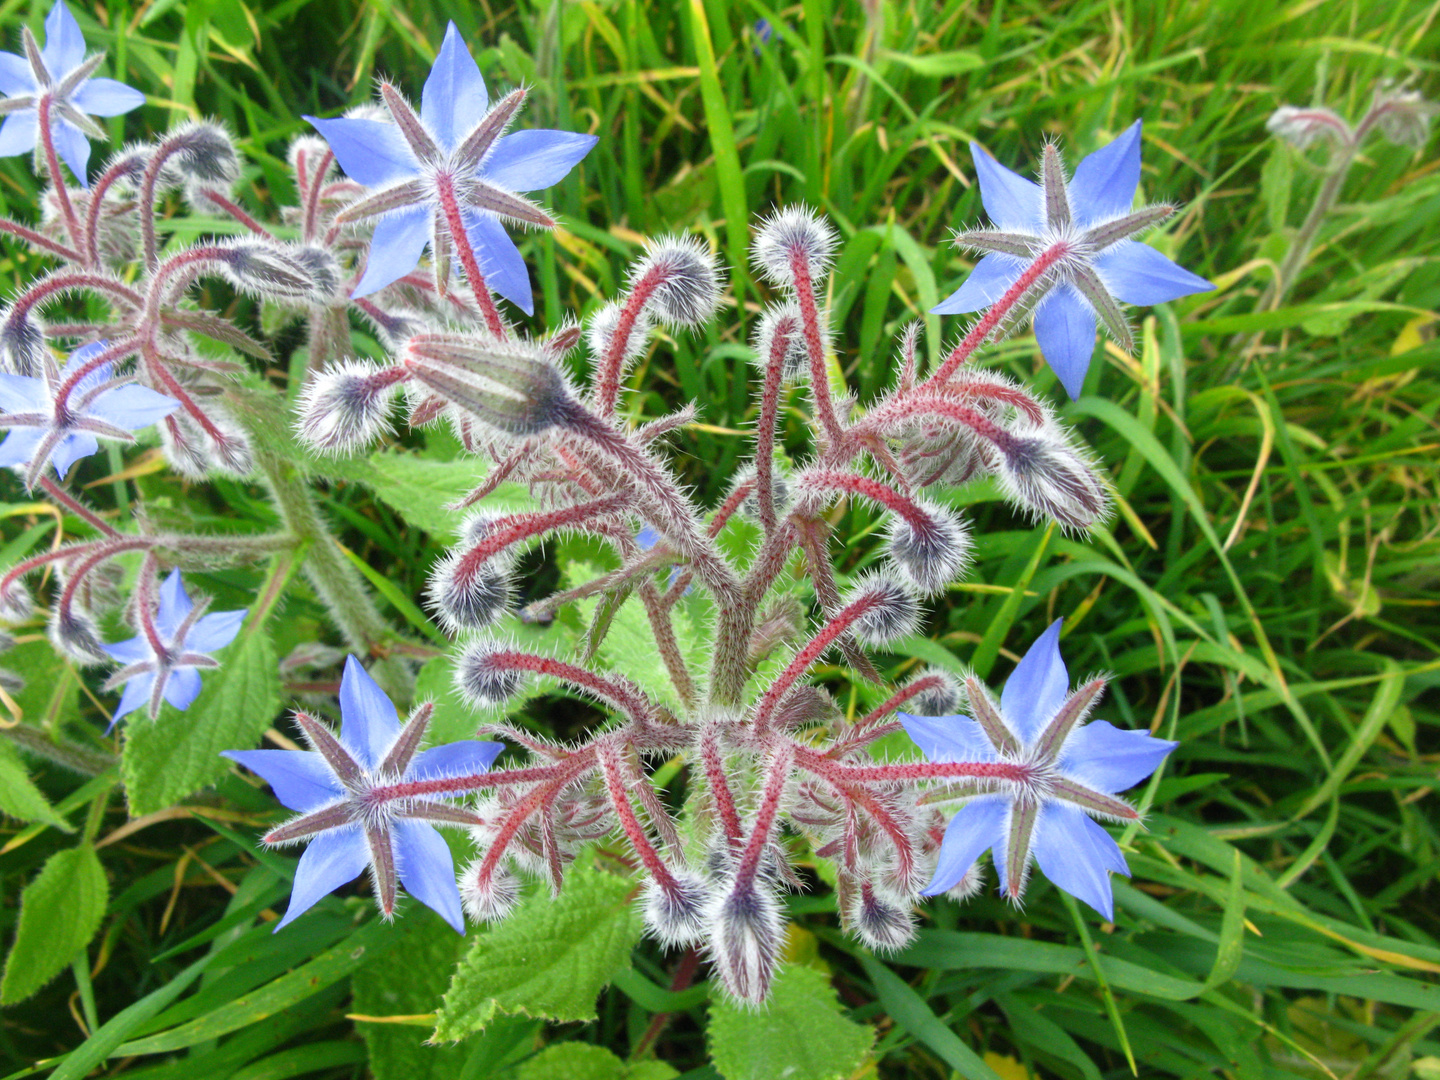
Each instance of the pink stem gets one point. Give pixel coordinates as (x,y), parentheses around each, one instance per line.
(76,507)
(450,205)
(607,390)
(815,346)
(52,162)
(609,761)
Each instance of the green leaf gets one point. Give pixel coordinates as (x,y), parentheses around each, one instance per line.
(586,1061)
(908,1009)
(1277,177)
(937,65)
(421,488)
(550,959)
(59,913)
(407,981)
(800,1033)
(19,797)
(51,694)
(179,753)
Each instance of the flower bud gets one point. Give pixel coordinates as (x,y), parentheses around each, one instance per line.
(881,921)
(315,150)
(16,603)
(202,154)
(686,280)
(932,552)
(269,271)
(481,680)
(793,236)
(489,899)
(346,407)
(784,319)
(676,916)
(324,272)
(1404,114)
(74,634)
(1045,475)
(22,344)
(10,682)
(746,929)
(312,656)
(895,614)
(469,600)
(603,325)
(1303,127)
(943,699)
(507,385)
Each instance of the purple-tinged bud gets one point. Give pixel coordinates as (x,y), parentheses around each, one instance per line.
(22,344)
(932,552)
(942,699)
(677,916)
(600,333)
(685,280)
(477,526)
(489,899)
(1403,114)
(785,319)
(746,929)
(347,406)
(469,598)
(315,150)
(1047,476)
(1304,127)
(324,272)
(510,386)
(895,614)
(16,603)
(481,680)
(268,271)
(204,154)
(793,234)
(183,444)
(196,452)
(74,634)
(881,921)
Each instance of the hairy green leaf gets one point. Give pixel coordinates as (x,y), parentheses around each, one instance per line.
(19,797)
(59,913)
(586,1061)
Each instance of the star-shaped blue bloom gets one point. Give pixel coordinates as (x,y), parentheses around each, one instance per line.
(349,822)
(456,141)
(1095,210)
(61,73)
(1075,769)
(168,667)
(48,426)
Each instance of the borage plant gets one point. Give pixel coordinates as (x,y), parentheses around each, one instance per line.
(740,601)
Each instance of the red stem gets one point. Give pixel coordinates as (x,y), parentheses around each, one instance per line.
(607,390)
(52,162)
(450,205)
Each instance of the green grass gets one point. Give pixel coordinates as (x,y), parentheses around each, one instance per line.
(1268,594)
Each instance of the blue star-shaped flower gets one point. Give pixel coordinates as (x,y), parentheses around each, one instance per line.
(1094,209)
(348,822)
(61,73)
(51,423)
(167,665)
(1075,770)
(455,145)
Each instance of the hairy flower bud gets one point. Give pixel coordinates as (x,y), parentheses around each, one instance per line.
(1046,475)
(489,899)
(269,271)
(481,680)
(74,634)
(943,699)
(22,343)
(204,153)
(684,277)
(881,921)
(1304,127)
(676,915)
(604,324)
(510,386)
(746,929)
(895,614)
(314,150)
(793,236)
(1404,115)
(784,319)
(469,598)
(346,406)
(931,551)
(324,272)
(16,603)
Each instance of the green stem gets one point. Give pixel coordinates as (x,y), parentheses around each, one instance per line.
(68,755)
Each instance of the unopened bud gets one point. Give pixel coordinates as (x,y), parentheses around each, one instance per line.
(346,407)
(685,278)
(16,603)
(74,634)
(894,614)
(933,550)
(311,656)
(11,682)
(323,269)
(883,922)
(1045,475)
(203,153)
(942,699)
(507,385)
(481,679)
(793,237)
(778,320)
(745,933)
(1303,127)
(469,598)
(491,898)
(675,915)
(22,344)
(1404,115)
(267,270)
(314,150)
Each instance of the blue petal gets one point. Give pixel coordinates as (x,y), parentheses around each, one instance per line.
(534,159)
(977,826)
(1110,759)
(301,779)
(71,449)
(129,652)
(175,604)
(106,97)
(454,98)
(131,406)
(948,738)
(64,44)
(22,393)
(1138,274)
(16,78)
(82,356)
(368,722)
(183,687)
(1037,687)
(647,537)
(73,148)
(17,134)
(1104,184)
(135,696)
(1065,329)
(1077,855)
(422,859)
(454,759)
(371,152)
(987,283)
(1013,203)
(395,249)
(505,271)
(19,446)
(332,859)
(214,631)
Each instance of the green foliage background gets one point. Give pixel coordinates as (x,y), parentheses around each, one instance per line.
(1268,593)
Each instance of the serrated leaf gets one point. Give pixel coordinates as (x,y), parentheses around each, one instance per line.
(179,752)
(586,1061)
(19,797)
(421,488)
(799,1033)
(550,959)
(59,913)
(409,980)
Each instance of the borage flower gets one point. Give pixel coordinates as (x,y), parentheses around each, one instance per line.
(164,662)
(56,417)
(1074,768)
(1092,213)
(451,169)
(354,810)
(58,79)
